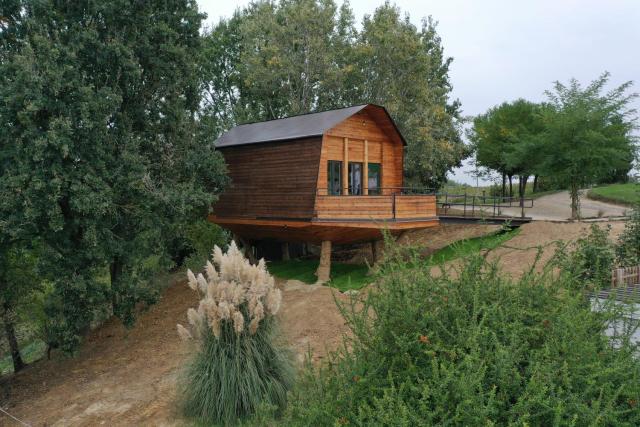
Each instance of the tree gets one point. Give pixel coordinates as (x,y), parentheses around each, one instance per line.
(279,59)
(506,139)
(102,153)
(18,283)
(587,133)
(405,70)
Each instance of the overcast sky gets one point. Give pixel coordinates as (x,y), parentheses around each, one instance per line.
(505,50)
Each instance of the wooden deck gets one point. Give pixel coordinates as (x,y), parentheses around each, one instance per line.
(340,219)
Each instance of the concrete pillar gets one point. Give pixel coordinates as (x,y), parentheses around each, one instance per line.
(324,267)
(285,252)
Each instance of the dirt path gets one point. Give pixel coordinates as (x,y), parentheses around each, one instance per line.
(128,378)
(557,207)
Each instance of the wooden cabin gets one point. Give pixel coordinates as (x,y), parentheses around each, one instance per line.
(334,176)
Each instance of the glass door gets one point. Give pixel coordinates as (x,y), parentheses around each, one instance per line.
(374,179)
(334,178)
(355,178)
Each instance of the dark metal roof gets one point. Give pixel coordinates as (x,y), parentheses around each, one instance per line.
(296,127)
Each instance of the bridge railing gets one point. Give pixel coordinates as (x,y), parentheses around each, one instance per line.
(480,205)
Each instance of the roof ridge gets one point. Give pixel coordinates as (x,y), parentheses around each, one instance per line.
(300,115)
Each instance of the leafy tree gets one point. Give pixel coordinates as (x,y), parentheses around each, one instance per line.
(587,133)
(276,59)
(18,284)
(506,139)
(628,247)
(405,70)
(101,151)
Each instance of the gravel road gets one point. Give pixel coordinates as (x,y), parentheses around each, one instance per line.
(557,207)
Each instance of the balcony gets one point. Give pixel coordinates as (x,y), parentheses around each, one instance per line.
(393,204)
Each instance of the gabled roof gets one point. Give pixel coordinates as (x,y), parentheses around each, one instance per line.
(295,127)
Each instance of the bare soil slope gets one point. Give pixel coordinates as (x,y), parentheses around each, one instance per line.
(128,377)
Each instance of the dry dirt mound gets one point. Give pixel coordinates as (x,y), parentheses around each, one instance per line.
(126,377)
(129,377)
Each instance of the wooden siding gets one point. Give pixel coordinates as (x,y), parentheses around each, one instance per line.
(271,180)
(369,208)
(381,149)
(422,206)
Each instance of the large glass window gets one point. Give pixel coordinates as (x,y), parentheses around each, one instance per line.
(355,178)
(334,177)
(374,179)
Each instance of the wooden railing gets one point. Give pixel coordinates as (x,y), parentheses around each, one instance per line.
(627,276)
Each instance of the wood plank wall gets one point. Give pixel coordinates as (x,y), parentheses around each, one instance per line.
(271,180)
(381,149)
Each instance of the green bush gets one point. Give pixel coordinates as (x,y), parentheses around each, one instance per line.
(472,348)
(239,365)
(628,247)
(591,260)
(200,237)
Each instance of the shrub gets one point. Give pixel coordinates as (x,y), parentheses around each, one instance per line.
(628,247)
(591,260)
(472,348)
(239,365)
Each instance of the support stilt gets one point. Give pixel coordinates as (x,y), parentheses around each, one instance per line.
(377,249)
(246,248)
(285,252)
(324,268)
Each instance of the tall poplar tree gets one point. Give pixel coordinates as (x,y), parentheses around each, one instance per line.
(101,150)
(277,59)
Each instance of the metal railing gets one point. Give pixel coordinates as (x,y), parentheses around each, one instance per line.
(471,203)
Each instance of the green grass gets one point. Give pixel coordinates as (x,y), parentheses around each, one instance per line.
(30,353)
(346,277)
(625,194)
(467,247)
(343,276)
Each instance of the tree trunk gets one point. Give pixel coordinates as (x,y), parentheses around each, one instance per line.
(10,333)
(115,273)
(535,183)
(510,185)
(504,184)
(522,187)
(575,200)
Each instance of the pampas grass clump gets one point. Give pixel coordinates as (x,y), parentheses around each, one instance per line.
(239,364)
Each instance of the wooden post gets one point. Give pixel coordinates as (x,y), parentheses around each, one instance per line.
(324,267)
(377,250)
(365,169)
(345,168)
(285,252)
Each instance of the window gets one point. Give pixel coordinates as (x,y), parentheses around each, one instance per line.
(355,178)
(374,179)
(334,177)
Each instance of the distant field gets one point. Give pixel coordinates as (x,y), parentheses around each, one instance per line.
(626,194)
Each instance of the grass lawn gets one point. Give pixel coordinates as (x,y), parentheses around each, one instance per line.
(30,353)
(467,247)
(625,194)
(351,276)
(343,276)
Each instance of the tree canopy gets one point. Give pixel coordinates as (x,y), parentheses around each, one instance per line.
(588,133)
(101,150)
(580,136)
(506,137)
(277,59)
